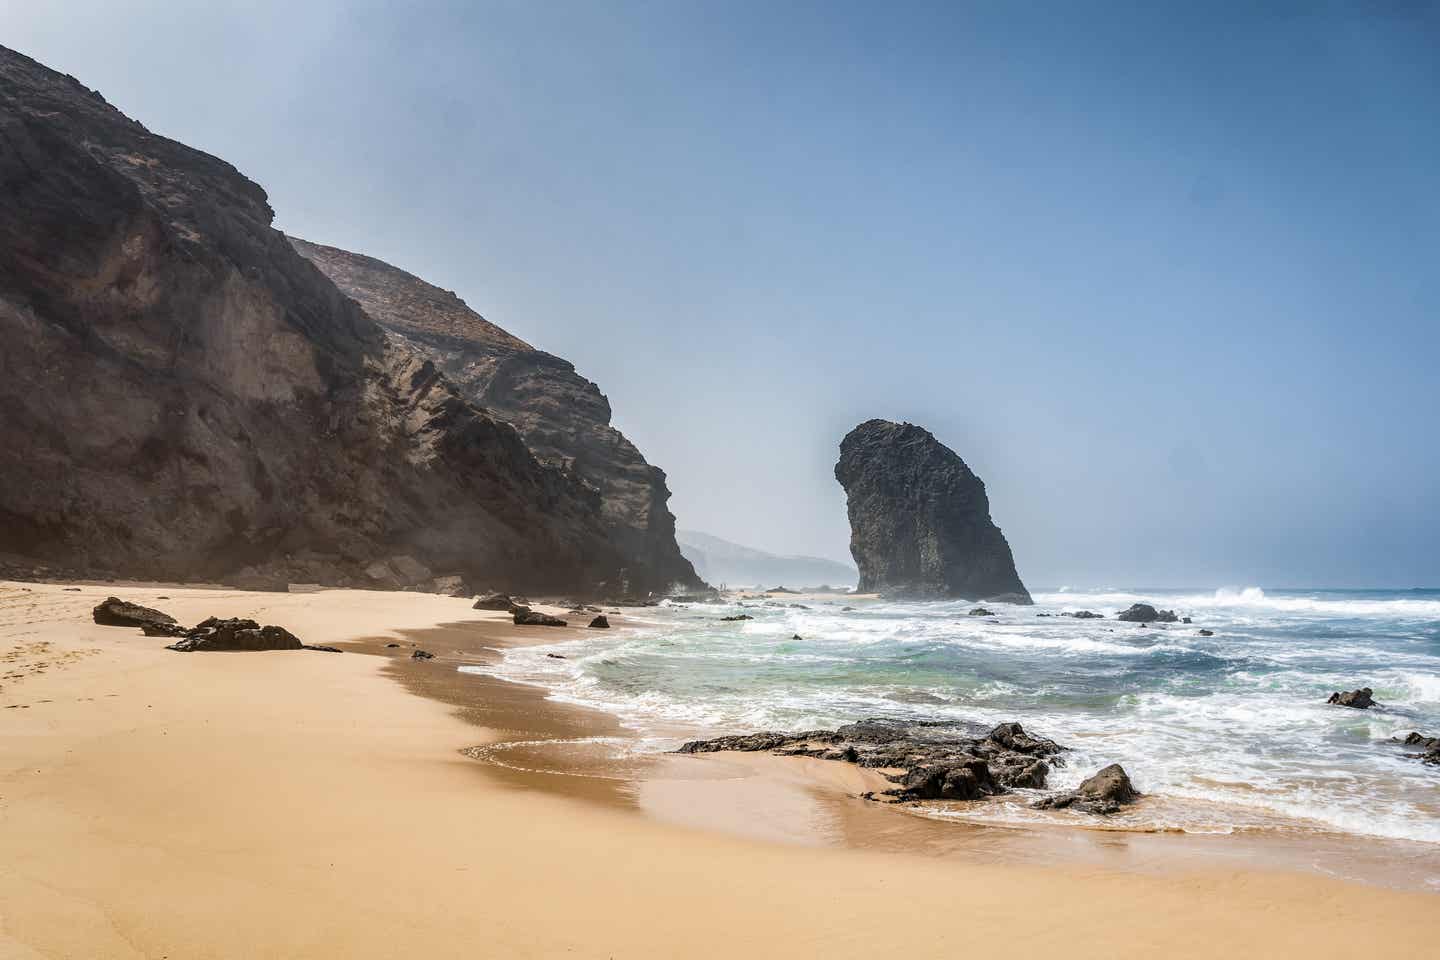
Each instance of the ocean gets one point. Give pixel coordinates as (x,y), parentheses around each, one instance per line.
(1224,733)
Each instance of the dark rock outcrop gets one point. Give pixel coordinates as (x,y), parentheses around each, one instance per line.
(236,633)
(183,396)
(525,617)
(1361,699)
(920,519)
(600,623)
(496,601)
(1144,613)
(941,760)
(1103,793)
(114,612)
(564,417)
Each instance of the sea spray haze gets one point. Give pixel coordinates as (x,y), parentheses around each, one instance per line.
(1227,732)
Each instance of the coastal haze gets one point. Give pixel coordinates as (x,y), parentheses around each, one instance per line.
(1054,385)
(1119,259)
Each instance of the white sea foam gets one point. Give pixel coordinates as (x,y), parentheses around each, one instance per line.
(1235,722)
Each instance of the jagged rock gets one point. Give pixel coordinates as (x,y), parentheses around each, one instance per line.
(1084,615)
(1144,613)
(162,629)
(1103,793)
(981,612)
(533,618)
(422,655)
(796,636)
(563,417)
(941,760)
(600,623)
(920,520)
(236,633)
(114,612)
(496,601)
(1361,699)
(739,616)
(186,397)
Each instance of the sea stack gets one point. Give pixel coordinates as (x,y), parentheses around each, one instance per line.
(920,522)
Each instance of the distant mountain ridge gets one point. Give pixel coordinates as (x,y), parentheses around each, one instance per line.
(721,561)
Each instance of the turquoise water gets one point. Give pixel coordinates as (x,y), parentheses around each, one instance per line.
(1226,732)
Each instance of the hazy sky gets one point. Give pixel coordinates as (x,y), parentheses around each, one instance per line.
(1166,276)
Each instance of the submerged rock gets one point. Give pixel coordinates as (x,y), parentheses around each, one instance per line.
(1102,793)
(981,612)
(941,760)
(1084,615)
(1206,633)
(1361,699)
(920,521)
(741,616)
(114,612)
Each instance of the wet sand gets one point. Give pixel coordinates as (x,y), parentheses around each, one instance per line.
(306,804)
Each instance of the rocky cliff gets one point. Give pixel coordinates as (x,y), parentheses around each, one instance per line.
(919,518)
(564,417)
(183,396)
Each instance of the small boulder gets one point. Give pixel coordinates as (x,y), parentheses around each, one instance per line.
(495,601)
(600,623)
(981,612)
(422,655)
(1084,615)
(742,616)
(557,656)
(114,612)
(1361,699)
(1103,793)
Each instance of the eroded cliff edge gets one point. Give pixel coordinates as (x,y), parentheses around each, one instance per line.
(563,417)
(183,396)
(920,519)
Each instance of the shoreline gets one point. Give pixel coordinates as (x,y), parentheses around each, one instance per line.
(306,804)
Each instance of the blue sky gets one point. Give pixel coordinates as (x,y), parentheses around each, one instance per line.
(1167,276)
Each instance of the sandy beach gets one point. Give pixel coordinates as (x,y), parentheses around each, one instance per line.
(304,804)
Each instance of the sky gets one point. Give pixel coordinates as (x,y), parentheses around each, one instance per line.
(1167,276)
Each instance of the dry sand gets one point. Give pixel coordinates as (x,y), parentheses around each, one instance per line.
(302,804)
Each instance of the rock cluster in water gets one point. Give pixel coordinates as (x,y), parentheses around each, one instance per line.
(935,760)
(920,522)
(1144,613)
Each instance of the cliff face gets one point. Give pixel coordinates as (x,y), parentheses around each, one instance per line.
(183,396)
(564,418)
(919,518)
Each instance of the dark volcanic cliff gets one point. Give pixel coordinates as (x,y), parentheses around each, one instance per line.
(183,396)
(919,519)
(564,418)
